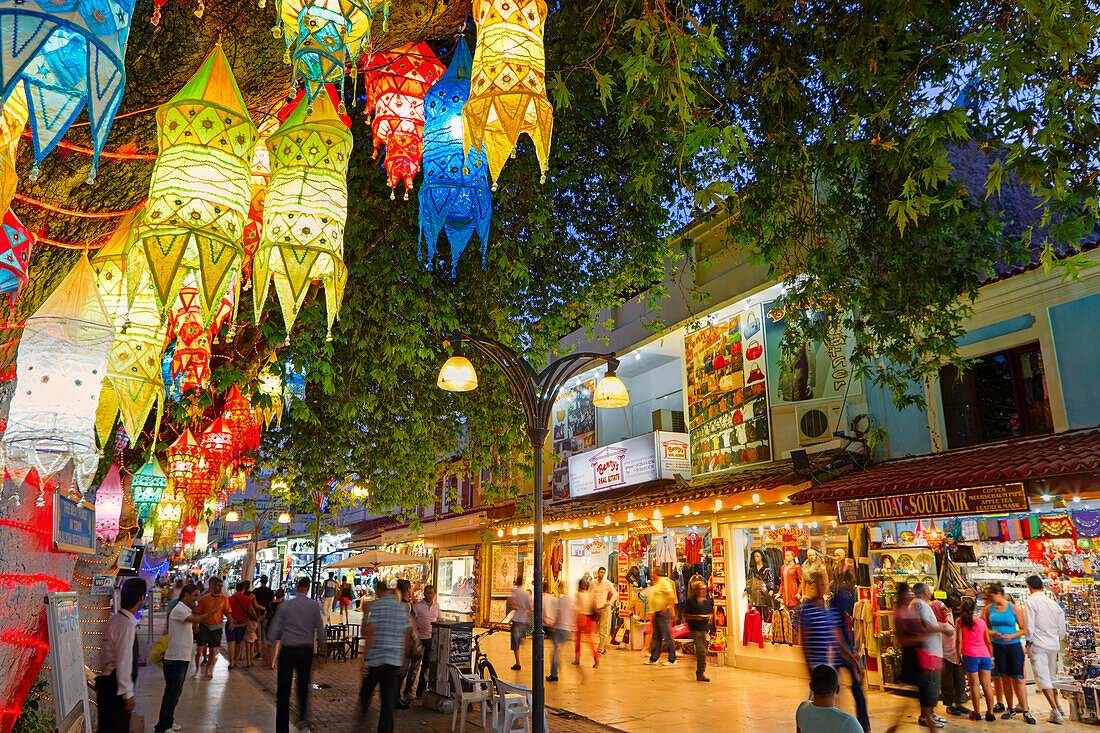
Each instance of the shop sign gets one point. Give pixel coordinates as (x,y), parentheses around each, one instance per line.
(999,499)
(102,585)
(73,526)
(241,537)
(815,370)
(574,431)
(657,455)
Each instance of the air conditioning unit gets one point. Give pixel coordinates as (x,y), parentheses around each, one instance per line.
(671,421)
(817,421)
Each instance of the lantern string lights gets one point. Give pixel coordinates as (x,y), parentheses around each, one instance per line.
(508,88)
(455,195)
(305,208)
(61,364)
(134,385)
(395,85)
(200,188)
(65,56)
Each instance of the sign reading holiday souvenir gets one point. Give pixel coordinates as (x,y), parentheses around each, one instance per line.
(66,662)
(649,457)
(73,526)
(998,499)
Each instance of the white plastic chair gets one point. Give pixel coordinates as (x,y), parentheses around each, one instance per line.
(481,692)
(515,704)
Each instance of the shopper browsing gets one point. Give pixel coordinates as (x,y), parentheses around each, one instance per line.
(820,715)
(1007,627)
(519,603)
(329,596)
(425,613)
(604,595)
(660,602)
(975,649)
(177,655)
(699,614)
(1046,627)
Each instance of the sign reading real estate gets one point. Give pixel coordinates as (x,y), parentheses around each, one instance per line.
(649,457)
(816,370)
(999,499)
(727,396)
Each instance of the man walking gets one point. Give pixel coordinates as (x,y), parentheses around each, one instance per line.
(178,653)
(519,603)
(386,637)
(297,624)
(1046,627)
(661,600)
(931,661)
(330,596)
(604,596)
(118,660)
(264,598)
(425,613)
(699,613)
(209,635)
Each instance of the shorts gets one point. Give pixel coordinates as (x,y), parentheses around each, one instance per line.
(928,688)
(234,636)
(1009,660)
(1044,662)
(208,636)
(345,602)
(519,630)
(974,664)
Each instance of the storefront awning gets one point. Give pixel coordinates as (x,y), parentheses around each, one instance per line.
(376,558)
(1019,459)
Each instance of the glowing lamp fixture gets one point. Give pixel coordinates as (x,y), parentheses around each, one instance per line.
(756,498)
(457,374)
(686,510)
(717,505)
(284,518)
(233,516)
(611,392)
(500,533)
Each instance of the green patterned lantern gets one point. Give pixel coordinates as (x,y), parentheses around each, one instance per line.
(147,488)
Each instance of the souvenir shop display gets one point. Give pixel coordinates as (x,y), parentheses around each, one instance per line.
(910,565)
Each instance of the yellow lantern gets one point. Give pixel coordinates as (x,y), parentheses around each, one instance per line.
(508,83)
(200,188)
(13,120)
(305,208)
(134,384)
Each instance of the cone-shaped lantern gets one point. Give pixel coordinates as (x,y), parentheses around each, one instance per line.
(183,459)
(60,367)
(109,498)
(200,189)
(191,357)
(217,443)
(324,37)
(134,385)
(147,488)
(455,195)
(305,208)
(508,89)
(65,56)
(15,254)
(396,83)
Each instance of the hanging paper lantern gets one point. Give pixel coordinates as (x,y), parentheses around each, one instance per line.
(61,363)
(202,532)
(172,391)
(508,88)
(108,505)
(305,208)
(396,83)
(323,37)
(13,120)
(183,459)
(260,175)
(199,193)
(455,196)
(270,385)
(294,386)
(187,536)
(191,356)
(147,487)
(65,55)
(169,513)
(237,413)
(15,254)
(135,385)
(217,443)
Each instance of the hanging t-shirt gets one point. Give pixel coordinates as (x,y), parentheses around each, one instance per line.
(693,545)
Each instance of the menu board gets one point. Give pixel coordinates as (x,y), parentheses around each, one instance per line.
(727,391)
(574,430)
(66,662)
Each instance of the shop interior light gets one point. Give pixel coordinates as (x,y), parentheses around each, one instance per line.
(630,516)
(610,391)
(500,533)
(736,506)
(656,513)
(695,512)
(457,374)
(607,520)
(686,510)
(515,531)
(284,518)
(233,516)
(585,523)
(1045,497)
(756,498)
(1076,499)
(717,505)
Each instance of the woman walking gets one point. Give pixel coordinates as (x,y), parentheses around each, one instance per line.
(346,595)
(1006,630)
(585,628)
(975,650)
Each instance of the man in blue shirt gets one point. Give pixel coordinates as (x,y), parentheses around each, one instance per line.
(297,624)
(386,632)
(821,715)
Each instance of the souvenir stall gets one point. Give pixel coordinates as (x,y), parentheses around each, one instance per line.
(456,583)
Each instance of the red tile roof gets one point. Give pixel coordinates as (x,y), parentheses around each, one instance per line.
(1074,451)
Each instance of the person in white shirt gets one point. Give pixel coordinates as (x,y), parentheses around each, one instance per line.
(550,624)
(115,684)
(177,655)
(519,603)
(1045,622)
(425,613)
(604,596)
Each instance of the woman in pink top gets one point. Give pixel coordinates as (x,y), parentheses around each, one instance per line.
(975,649)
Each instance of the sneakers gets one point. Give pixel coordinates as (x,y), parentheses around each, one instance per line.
(516,668)
(999,708)
(552,678)
(933,723)
(669,664)
(1008,715)
(176,726)
(1028,718)
(938,719)
(990,717)
(1056,716)
(647,661)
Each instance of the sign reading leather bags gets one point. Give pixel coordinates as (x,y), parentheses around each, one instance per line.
(998,499)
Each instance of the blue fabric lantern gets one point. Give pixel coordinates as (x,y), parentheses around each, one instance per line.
(455,196)
(66,54)
(172,390)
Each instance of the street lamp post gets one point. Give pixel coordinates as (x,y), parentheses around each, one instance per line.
(537,392)
(258,520)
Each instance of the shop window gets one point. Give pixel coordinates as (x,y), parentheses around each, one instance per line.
(1002,395)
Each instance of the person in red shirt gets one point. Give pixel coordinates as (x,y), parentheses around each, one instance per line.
(240,611)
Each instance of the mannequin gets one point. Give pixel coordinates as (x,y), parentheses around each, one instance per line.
(761,582)
(813,565)
(840,560)
(790,591)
